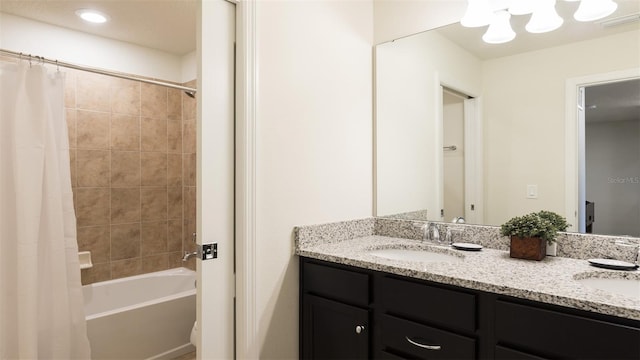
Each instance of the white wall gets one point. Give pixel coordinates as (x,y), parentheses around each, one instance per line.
(56,43)
(314,142)
(409,73)
(613,175)
(394,19)
(524,120)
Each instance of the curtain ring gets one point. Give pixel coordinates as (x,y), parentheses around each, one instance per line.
(30,58)
(57,66)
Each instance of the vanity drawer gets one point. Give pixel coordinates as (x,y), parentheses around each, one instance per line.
(413,339)
(563,335)
(429,304)
(344,285)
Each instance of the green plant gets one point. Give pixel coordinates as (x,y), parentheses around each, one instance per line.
(543,224)
(559,222)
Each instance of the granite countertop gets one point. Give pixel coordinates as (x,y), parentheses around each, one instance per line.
(551,280)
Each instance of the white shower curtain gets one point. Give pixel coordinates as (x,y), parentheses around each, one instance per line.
(41,305)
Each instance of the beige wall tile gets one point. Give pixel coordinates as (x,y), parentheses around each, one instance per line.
(174,202)
(70,89)
(92,206)
(125,268)
(189,198)
(93,168)
(92,92)
(73,156)
(125,205)
(125,241)
(92,129)
(174,259)
(72,124)
(189,166)
(188,228)
(154,203)
(153,135)
(125,97)
(174,136)
(97,240)
(174,110)
(125,132)
(154,101)
(125,168)
(189,107)
(155,263)
(174,235)
(174,169)
(189,137)
(154,238)
(99,272)
(154,169)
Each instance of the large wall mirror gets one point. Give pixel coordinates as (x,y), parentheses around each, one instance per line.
(487,132)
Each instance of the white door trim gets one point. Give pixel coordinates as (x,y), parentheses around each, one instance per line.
(473,165)
(572,141)
(247,344)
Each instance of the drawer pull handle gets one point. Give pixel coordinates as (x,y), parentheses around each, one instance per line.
(424,346)
(359,329)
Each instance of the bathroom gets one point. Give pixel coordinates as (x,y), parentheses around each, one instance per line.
(312,157)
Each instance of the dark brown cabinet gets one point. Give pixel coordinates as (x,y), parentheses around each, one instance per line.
(353,313)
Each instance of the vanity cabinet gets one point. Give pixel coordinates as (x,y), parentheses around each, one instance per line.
(353,313)
(335,315)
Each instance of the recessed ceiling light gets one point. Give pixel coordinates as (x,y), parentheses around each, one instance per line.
(92,16)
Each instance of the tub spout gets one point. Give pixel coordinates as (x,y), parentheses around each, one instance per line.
(188,255)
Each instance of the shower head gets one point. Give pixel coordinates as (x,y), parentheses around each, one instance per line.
(191,94)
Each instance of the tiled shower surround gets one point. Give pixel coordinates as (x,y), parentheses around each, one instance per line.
(133,159)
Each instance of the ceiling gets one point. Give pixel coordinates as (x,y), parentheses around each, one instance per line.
(166,25)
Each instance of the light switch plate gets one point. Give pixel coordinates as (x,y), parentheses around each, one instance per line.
(532,191)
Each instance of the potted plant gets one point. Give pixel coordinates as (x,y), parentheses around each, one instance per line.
(530,233)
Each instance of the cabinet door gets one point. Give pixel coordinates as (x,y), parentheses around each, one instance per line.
(333,330)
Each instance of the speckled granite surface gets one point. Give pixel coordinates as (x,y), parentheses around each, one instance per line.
(551,280)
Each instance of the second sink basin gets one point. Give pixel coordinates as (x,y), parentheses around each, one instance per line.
(414,255)
(622,286)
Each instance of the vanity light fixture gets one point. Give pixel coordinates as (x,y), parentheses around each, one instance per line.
(544,18)
(590,10)
(92,16)
(500,30)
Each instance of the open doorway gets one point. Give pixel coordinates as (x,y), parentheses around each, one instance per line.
(461,195)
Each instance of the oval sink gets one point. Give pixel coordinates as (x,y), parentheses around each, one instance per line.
(621,286)
(413,255)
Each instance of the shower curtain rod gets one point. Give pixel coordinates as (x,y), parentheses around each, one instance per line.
(40,59)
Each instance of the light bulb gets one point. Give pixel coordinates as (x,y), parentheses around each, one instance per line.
(92,16)
(522,7)
(544,17)
(500,30)
(478,14)
(590,10)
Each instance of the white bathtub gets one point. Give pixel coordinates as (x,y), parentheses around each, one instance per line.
(146,316)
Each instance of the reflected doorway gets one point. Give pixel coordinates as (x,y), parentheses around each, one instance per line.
(612,158)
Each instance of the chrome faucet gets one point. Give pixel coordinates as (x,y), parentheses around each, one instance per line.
(188,255)
(431,232)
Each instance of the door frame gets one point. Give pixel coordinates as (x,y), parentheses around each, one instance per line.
(473,156)
(575,195)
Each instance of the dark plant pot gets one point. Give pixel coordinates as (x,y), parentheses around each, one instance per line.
(528,248)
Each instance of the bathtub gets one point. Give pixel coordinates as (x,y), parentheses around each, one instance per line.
(146,316)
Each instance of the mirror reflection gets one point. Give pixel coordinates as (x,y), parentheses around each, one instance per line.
(487,132)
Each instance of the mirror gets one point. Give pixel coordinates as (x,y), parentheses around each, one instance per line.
(520,144)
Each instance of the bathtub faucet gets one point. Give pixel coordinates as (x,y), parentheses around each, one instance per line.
(188,255)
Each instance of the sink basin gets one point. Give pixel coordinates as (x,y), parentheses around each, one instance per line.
(621,286)
(415,255)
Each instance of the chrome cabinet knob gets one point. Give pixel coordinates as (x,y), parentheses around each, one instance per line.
(359,329)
